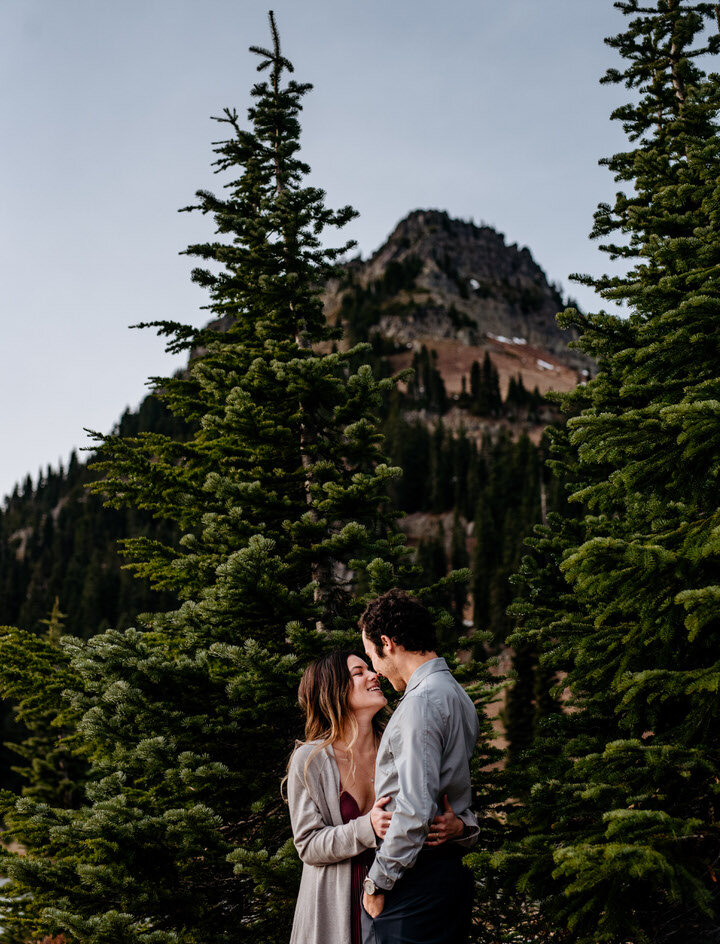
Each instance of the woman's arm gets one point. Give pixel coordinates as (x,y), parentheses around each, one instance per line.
(317,842)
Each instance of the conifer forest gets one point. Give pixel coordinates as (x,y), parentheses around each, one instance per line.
(342,427)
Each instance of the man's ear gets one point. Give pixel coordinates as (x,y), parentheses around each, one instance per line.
(388,645)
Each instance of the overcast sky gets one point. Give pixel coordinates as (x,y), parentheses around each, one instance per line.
(489,110)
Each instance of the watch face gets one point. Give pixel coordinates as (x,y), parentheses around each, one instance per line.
(369,886)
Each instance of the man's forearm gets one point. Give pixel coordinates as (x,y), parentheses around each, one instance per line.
(400,848)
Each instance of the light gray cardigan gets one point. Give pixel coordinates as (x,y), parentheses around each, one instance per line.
(325,845)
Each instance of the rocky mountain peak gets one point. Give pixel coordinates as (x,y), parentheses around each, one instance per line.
(444,278)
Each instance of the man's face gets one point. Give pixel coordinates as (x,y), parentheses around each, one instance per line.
(384,664)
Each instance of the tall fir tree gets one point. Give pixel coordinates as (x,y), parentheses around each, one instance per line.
(35,672)
(279,494)
(617,833)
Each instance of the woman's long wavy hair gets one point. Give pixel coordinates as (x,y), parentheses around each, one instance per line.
(324,696)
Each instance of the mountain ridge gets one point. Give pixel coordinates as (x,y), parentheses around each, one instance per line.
(438,278)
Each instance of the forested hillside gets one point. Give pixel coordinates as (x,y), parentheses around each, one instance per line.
(59,540)
(419,424)
(466,428)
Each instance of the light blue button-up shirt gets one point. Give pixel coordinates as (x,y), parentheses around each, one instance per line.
(424,754)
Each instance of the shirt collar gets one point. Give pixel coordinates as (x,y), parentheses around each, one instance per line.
(422,671)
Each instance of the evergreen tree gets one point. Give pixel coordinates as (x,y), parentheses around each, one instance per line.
(485,398)
(408,446)
(441,470)
(459,560)
(464,451)
(279,494)
(34,673)
(61,542)
(491,387)
(519,714)
(476,391)
(519,400)
(508,506)
(431,556)
(620,793)
(483,558)
(427,386)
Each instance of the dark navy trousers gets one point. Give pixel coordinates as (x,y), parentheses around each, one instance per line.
(430,904)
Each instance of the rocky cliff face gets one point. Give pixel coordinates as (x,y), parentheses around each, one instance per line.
(440,278)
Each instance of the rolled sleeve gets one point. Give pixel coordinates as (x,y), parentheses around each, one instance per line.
(473,830)
(417,749)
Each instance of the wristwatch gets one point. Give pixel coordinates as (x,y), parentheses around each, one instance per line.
(370,888)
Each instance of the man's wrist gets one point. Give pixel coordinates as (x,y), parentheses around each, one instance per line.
(370,888)
(381,884)
(470,832)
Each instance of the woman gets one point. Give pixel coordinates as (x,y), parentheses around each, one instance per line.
(335,817)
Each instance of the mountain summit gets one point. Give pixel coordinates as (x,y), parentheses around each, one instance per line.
(441,278)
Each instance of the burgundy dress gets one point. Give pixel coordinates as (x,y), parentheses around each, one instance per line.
(360,865)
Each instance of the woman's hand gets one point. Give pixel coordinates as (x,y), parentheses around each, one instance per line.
(445,826)
(379,817)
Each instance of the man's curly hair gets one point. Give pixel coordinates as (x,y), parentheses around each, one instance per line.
(401,617)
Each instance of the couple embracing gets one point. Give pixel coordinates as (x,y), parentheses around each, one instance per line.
(382,819)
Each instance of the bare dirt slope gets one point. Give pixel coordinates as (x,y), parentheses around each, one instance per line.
(536,366)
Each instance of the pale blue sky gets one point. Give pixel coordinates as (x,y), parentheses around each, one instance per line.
(489,110)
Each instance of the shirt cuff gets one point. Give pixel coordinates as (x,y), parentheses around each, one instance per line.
(382,881)
(472,830)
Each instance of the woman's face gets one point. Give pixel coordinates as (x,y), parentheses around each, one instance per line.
(365,692)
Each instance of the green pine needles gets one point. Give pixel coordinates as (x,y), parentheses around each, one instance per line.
(175,733)
(616,827)
(278,495)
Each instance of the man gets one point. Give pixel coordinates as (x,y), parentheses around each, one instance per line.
(417,889)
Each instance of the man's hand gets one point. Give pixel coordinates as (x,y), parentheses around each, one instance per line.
(445,826)
(379,817)
(373,904)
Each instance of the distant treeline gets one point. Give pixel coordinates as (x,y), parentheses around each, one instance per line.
(480,394)
(57,540)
